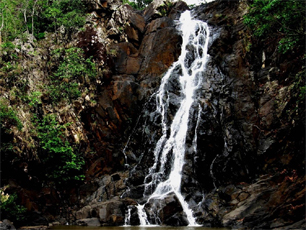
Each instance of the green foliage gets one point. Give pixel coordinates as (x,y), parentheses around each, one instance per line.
(67,13)
(11,23)
(7,46)
(61,162)
(9,207)
(165,8)
(138,4)
(34,98)
(7,52)
(8,118)
(283,19)
(37,16)
(10,69)
(74,65)
(73,69)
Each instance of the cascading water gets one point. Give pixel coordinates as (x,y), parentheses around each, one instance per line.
(172,143)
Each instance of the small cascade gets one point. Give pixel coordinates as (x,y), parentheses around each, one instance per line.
(127,220)
(171,146)
(142,215)
(124,153)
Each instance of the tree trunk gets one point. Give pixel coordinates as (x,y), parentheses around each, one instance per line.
(33,12)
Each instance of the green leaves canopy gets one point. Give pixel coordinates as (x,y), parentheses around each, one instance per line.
(286,19)
(38,16)
(61,161)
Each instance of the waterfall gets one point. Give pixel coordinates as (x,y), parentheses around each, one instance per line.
(171,145)
(128,217)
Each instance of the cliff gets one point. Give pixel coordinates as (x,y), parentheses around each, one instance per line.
(249,168)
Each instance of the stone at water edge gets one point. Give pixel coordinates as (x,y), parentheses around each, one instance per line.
(92,222)
(6,224)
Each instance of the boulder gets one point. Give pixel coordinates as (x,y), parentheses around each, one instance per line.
(93,222)
(6,224)
(168,210)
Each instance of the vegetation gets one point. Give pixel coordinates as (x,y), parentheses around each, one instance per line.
(9,207)
(62,164)
(67,14)
(284,20)
(72,69)
(9,69)
(138,4)
(37,16)
(8,118)
(165,8)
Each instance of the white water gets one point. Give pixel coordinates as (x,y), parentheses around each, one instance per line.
(196,2)
(142,215)
(195,35)
(127,217)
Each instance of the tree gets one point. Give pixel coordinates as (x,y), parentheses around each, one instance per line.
(38,16)
(69,14)
(11,23)
(283,19)
(71,71)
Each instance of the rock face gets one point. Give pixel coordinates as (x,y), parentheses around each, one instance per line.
(243,132)
(149,49)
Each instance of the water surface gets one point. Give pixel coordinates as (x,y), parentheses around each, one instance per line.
(66,227)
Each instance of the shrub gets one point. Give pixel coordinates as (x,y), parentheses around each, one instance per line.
(284,20)
(67,13)
(62,164)
(138,4)
(9,207)
(8,118)
(72,69)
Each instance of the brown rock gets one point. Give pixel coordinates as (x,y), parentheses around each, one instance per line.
(242,196)
(137,21)
(177,9)
(166,45)
(131,33)
(151,11)
(125,51)
(93,222)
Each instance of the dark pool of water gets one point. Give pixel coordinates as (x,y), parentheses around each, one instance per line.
(135,228)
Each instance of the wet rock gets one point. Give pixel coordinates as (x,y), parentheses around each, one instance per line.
(37,218)
(111,213)
(168,209)
(34,227)
(6,224)
(93,222)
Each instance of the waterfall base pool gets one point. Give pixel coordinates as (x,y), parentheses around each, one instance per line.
(60,227)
